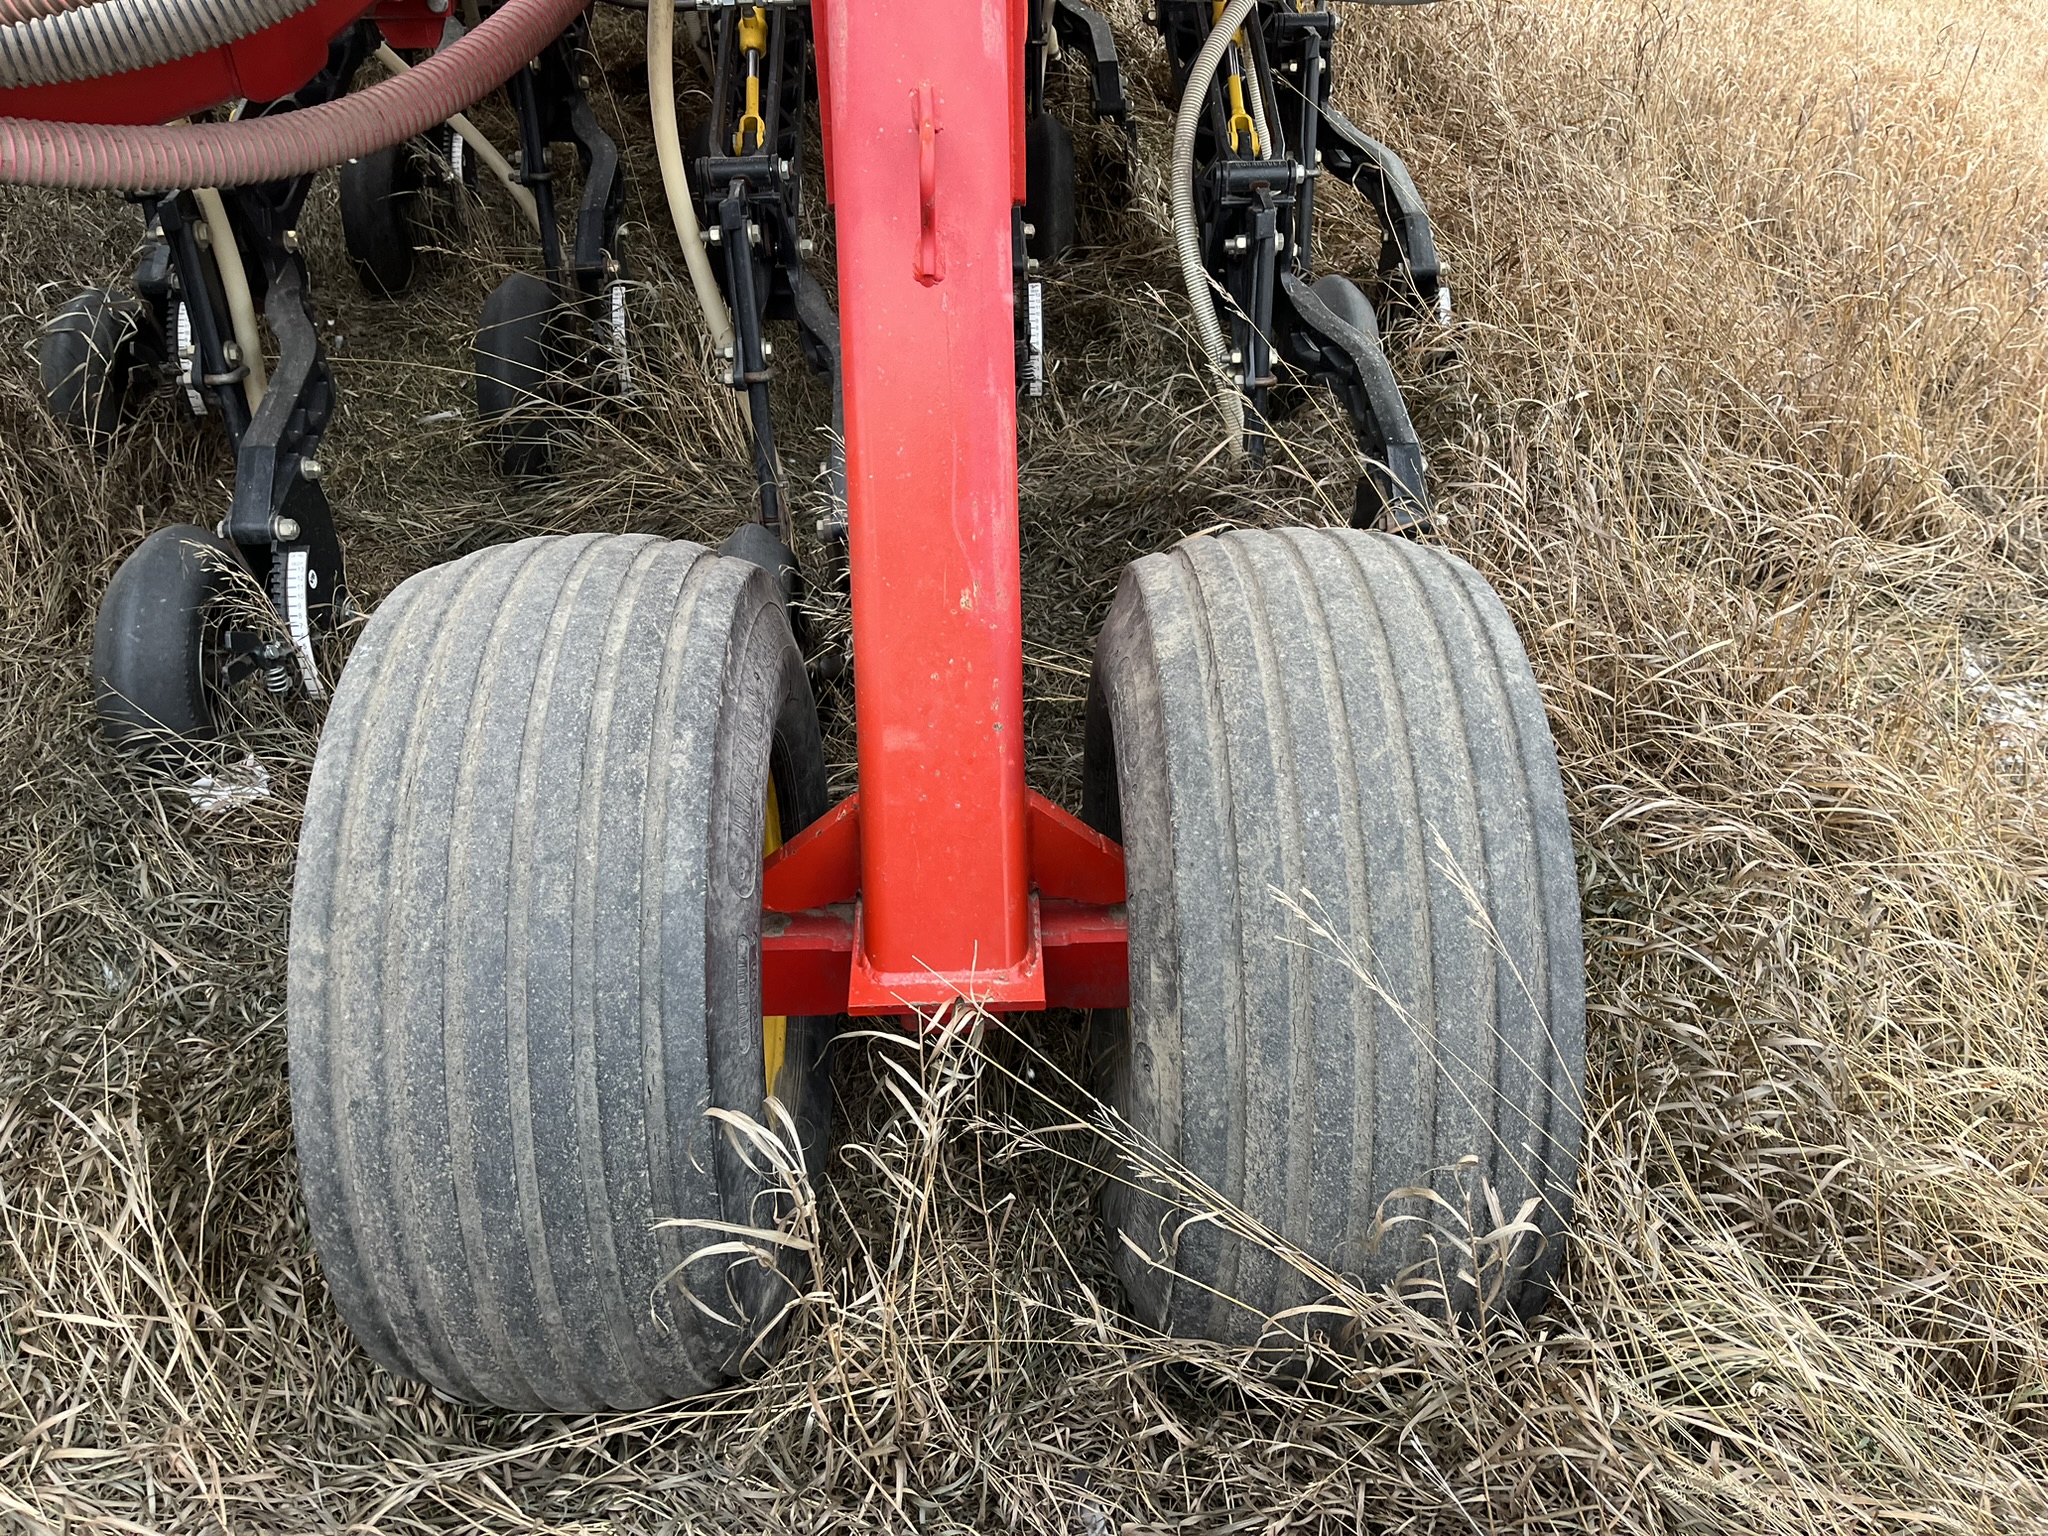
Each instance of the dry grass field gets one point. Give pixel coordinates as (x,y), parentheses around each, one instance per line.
(1747,418)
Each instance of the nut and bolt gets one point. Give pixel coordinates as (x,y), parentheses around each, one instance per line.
(284,529)
(713,235)
(310,469)
(805,245)
(232,352)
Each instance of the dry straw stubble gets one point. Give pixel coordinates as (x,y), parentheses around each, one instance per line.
(1745,420)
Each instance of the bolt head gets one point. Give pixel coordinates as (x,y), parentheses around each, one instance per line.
(310,469)
(285,529)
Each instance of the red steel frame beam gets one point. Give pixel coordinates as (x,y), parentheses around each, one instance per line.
(946,877)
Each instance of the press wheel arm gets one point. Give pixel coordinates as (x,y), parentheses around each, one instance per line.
(1408,258)
(1082,27)
(1393,495)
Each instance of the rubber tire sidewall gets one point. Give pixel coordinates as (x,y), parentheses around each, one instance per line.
(621,699)
(85,361)
(149,662)
(1050,188)
(513,365)
(378,191)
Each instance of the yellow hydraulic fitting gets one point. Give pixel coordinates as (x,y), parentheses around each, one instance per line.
(1241,124)
(753,43)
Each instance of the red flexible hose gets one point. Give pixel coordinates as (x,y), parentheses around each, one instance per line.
(13,12)
(85,156)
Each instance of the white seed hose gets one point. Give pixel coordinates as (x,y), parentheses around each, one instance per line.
(486,151)
(1187,235)
(234,285)
(668,149)
(1257,99)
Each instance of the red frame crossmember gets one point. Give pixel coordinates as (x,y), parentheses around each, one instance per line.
(812,960)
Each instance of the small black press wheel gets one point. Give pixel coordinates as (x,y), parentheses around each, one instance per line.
(85,358)
(378,192)
(158,661)
(525,970)
(1049,186)
(1354,931)
(514,371)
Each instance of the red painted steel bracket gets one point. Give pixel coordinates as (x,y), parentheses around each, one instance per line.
(812,943)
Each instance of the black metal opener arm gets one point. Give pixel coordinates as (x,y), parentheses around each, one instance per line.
(280,516)
(1088,31)
(1409,267)
(1327,141)
(753,183)
(1393,493)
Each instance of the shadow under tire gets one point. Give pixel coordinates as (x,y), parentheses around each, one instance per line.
(514,367)
(525,963)
(378,193)
(156,661)
(1326,728)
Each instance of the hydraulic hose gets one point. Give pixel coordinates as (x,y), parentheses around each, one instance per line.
(111,37)
(668,150)
(15,11)
(86,156)
(1187,234)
